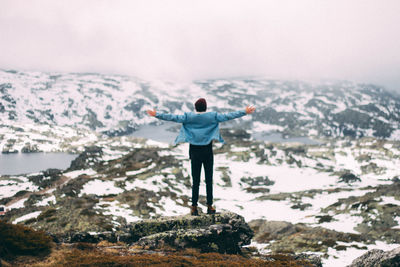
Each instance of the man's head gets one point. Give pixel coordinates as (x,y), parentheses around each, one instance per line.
(200,105)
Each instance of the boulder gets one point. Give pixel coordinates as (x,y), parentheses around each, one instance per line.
(378,258)
(225,232)
(285,237)
(349,178)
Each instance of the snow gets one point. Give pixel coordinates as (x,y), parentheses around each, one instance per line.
(169,207)
(264,127)
(151,184)
(389,200)
(27,217)
(10,186)
(288,178)
(132,173)
(100,188)
(117,209)
(77,173)
(46,201)
(18,204)
(345,257)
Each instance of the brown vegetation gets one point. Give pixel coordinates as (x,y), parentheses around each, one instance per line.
(23,246)
(18,240)
(82,255)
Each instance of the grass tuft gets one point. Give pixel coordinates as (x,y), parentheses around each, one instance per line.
(16,240)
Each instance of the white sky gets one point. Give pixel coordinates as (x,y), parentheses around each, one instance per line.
(187,39)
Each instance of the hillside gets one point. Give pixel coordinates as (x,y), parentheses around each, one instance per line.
(336,197)
(116,105)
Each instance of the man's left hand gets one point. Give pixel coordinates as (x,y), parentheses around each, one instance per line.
(151,112)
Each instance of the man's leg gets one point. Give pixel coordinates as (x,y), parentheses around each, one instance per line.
(196,171)
(208,169)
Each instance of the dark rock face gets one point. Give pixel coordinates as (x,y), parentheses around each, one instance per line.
(378,258)
(223,233)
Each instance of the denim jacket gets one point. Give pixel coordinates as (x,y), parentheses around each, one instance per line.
(200,128)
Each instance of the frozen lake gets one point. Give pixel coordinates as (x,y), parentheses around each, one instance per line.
(20,163)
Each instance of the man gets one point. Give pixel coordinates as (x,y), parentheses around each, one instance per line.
(200,129)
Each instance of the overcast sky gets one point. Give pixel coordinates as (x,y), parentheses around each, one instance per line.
(187,39)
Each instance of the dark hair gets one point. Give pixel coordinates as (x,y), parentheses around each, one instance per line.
(200,105)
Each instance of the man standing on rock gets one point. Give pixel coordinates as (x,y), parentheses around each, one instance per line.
(200,128)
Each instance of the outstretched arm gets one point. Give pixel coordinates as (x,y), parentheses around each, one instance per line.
(235,114)
(167,117)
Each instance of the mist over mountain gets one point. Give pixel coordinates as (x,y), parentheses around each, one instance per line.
(115,104)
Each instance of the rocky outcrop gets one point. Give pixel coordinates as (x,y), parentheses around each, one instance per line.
(378,258)
(87,158)
(225,232)
(284,237)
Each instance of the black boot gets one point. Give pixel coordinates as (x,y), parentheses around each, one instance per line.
(211,210)
(194,211)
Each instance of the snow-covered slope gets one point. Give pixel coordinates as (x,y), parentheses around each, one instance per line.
(116,105)
(348,186)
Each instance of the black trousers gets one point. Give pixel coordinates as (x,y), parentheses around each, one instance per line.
(202,156)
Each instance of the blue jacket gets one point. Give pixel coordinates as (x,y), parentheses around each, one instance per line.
(200,128)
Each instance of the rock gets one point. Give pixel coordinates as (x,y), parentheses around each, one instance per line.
(90,120)
(299,238)
(86,159)
(47,178)
(313,259)
(235,134)
(86,237)
(28,148)
(378,258)
(379,225)
(257,181)
(349,178)
(224,233)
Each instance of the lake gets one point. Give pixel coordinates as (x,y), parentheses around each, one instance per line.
(20,163)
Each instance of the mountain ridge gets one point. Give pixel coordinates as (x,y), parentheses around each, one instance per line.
(115,104)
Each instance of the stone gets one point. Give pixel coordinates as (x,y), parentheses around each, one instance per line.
(84,160)
(348,178)
(300,238)
(378,258)
(224,232)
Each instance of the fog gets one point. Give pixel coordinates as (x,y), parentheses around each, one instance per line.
(184,40)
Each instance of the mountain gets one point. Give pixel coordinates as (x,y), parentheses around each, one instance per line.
(115,105)
(335,198)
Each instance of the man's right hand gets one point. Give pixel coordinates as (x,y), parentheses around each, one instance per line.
(152,112)
(250,109)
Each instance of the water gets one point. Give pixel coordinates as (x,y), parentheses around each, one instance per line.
(20,163)
(166,132)
(278,138)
